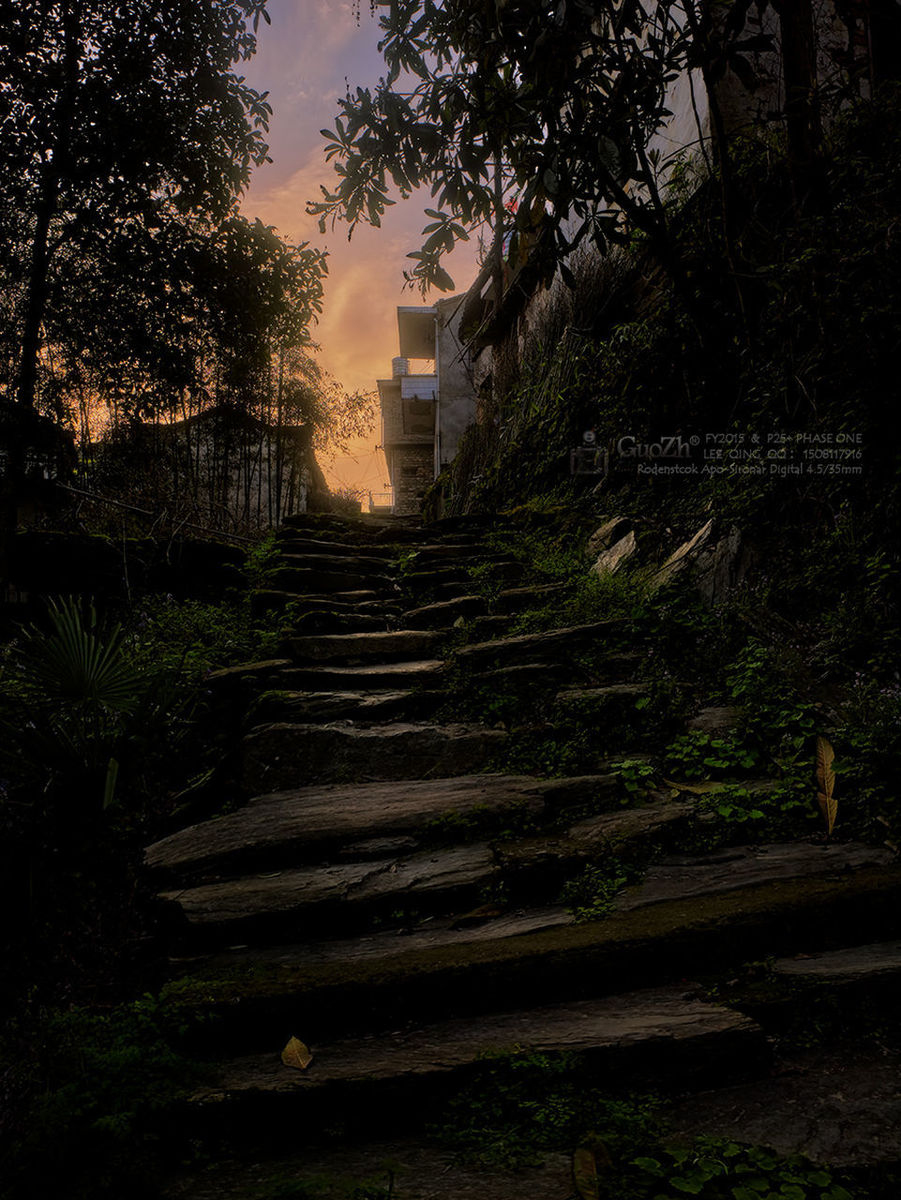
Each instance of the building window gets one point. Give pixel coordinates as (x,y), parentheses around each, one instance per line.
(419,416)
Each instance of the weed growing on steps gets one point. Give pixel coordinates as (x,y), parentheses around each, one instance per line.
(712,1168)
(481,823)
(701,755)
(288,1185)
(803,1014)
(591,894)
(520,1106)
(94,1103)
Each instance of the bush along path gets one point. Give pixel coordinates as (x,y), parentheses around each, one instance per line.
(459,867)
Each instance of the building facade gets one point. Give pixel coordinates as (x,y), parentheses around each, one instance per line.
(425,412)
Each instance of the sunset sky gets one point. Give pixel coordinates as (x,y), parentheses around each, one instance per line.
(304,58)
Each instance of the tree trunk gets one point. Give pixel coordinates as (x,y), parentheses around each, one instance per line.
(802,118)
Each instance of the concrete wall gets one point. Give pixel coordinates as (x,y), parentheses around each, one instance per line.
(456,390)
(410,468)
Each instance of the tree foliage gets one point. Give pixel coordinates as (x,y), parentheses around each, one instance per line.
(536,113)
(127,135)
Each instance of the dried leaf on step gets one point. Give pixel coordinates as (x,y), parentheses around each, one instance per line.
(589,1160)
(826,782)
(478,916)
(585,1174)
(699,789)
(296,1055)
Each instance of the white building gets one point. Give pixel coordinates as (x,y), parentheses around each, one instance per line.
(425,412)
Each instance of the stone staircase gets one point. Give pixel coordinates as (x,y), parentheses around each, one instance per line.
(391,893)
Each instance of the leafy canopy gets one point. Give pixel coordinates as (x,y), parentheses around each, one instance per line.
(536,113)
(127,135)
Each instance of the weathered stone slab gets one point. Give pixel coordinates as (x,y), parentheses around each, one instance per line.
(267,669)
(857,964)
(406,644)
(431,576)
(313,900)
(430,934)
(316,623)
(462,550)
(683,557)
(283,826)
(444,612)
(293,543)
(283,755)
(378,677)
(339,528)
(524,677)
(667,1032)
(307,581)
(557,856)
(616,694)
(346,564)
(721,567)
(418,1171)
(609,561)
(607,534)
(367,707)
(520,598)
(395,979)
(535,647)
(749,866)
(349,604)
(839,1105)
(715,719)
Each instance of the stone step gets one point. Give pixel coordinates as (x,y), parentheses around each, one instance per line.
(541,864)
(435,591)
(319,622)
(365,600)
(558,645)
(444,612)
(666,1038)
(615,695)
(348,564)
(283,755)
(533,596)
(854,964)
(837,1103)
(343,897)
(379,677)
(397,645)
(338,528)
(405,1168)
(462,550)
(650,937)
(412,537)
(312,707)
(296,543)
(433,579)
(849,989)
(305,581)
(305,824)
(740,867)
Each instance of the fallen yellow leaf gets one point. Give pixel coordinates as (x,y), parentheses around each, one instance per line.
(297,1055)
(826,780)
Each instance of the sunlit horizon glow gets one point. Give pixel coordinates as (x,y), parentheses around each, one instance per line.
(305,59)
